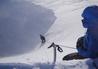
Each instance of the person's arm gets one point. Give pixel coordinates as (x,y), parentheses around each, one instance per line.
(80,43)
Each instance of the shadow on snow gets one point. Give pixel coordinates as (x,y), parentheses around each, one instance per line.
(21,23)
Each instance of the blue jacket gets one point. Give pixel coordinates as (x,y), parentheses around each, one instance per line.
(88,46)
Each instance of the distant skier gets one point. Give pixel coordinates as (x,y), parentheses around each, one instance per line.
(87,45)
(43,40)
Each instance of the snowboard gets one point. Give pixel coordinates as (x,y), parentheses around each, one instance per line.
(73,56)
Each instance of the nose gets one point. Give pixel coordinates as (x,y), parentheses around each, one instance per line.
(82,20)
(85,23)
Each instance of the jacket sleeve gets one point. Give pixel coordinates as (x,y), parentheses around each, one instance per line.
(80,47)
(80,43)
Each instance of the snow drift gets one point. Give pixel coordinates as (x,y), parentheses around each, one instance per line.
(21,23)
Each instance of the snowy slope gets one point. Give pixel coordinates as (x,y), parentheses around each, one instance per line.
(20,27)
(59,21)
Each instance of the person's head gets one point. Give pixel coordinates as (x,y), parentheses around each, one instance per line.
(90,16)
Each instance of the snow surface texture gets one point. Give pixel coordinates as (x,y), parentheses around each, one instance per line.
(20,26)
(21,22)
(80,64)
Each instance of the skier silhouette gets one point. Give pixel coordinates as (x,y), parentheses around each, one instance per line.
(43,40)
(87,45)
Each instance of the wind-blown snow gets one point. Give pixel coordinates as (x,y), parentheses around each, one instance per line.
(60,23)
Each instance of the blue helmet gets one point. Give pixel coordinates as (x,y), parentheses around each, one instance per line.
(90,13)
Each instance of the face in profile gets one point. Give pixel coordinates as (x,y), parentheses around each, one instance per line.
(90,20)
